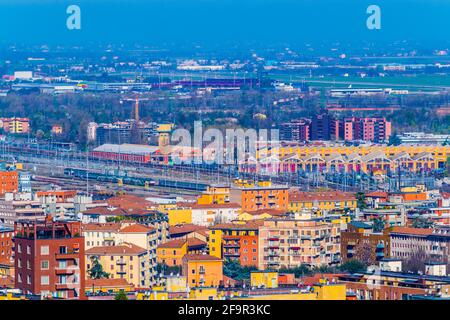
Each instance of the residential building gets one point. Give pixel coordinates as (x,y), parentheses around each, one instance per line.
(114,234)
(406,241)
(264,197)
(324,127)
(290,243)
(172,252)
(296,130)
(382,284)
(202,270)
(360,233)
(15,125)
(124,261)
(235,241)
(17,207)
(6,244)
(9,182)
(326,201)
(210,214)
(366,129)
(49,259)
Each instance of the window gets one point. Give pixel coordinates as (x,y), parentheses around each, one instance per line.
(45,280)
(28,279)
(19,248)
(28,250)
(44,250)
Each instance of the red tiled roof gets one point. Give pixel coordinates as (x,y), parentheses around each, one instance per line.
(300,196)
(109,226)
(248,225)
(194,242)
(136,228)
(176,243)
(125,248)
(312,280)
(129,201)
(377,194)
(412,231)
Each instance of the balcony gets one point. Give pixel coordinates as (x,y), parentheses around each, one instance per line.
(64,286)
(67,256)
(231,245)
(121,262)
(64,271)
(121,272)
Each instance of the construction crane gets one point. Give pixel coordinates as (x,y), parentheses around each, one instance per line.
(135,126)
(136,101)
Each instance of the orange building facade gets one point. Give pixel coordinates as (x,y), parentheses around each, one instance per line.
(202,270)
(9,182)
(236,241)
(257,198)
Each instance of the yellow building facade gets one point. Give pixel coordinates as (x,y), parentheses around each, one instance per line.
(266,279)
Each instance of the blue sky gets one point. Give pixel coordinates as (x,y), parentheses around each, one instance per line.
(223,21)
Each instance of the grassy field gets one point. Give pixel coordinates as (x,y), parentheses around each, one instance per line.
(425,82)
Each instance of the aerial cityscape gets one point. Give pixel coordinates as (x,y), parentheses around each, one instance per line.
(239,170)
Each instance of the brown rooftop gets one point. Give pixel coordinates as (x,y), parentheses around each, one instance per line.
(125,248)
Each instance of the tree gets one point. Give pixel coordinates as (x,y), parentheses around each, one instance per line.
(234,270)
(353,266)
(361,200)
(121,295)
(378,224)
(394,140)
(96,271)
(364,253)
(420,222)
(416,261)
(299,271)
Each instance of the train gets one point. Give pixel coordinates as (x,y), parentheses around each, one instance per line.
(144,182)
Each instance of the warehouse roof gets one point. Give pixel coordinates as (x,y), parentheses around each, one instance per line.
(125,148)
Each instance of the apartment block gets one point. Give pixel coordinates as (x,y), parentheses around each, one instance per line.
(360,233)
(202,270)
(235,241)
(264,197)
(49,259)
(125,261)
(290,243)
(6,244)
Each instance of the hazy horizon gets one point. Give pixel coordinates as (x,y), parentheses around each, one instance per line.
(218,22)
